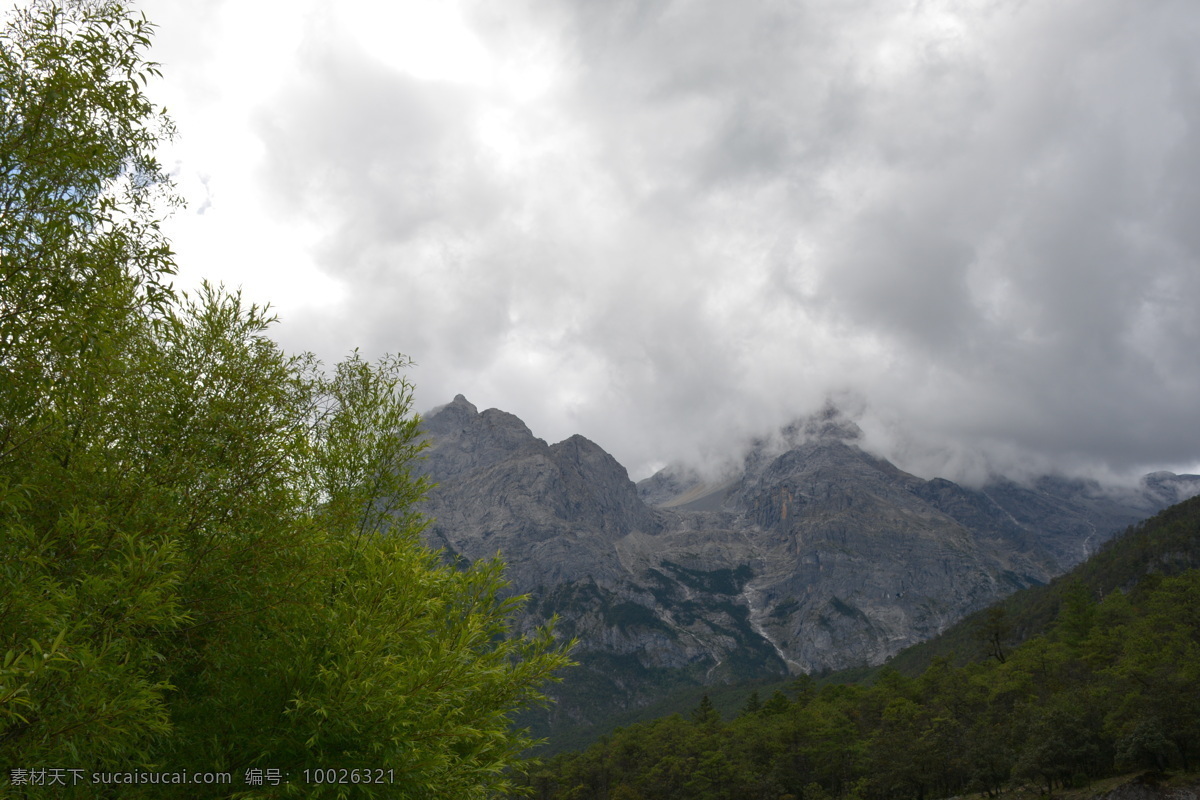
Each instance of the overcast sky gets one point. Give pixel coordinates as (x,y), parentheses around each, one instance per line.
(669,225)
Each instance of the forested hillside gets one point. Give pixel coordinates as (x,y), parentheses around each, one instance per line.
(211,583)
(1109,685)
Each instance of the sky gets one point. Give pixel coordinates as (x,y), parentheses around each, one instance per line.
(670,226)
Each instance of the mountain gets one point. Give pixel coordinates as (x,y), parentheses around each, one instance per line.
(816,556)
(1164,545)
(1105,691)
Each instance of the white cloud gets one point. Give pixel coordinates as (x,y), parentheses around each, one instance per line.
(671,225)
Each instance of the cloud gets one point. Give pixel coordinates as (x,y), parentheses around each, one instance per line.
(670,226)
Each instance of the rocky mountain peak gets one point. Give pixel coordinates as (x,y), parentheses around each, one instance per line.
(464,440)
(827,440)
(612,500)
(1167,488)
(830,424)
(458,412)
(587,455)
(814,555)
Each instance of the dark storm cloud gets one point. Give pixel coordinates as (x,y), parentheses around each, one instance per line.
(978,219)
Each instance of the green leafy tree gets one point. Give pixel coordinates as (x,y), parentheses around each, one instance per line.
(899,759)
(79,191)
(1146,746)
(1161,666)
(1077,616)
(1063,743)
(88,572)
(209,557)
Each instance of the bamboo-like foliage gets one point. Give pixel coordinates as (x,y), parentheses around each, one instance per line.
(209,554)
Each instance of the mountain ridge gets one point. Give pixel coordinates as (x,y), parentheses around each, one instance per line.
(818,556)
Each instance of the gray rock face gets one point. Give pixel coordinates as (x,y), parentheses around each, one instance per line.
(553,512)
(817,556)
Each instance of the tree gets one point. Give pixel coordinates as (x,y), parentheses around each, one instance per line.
(1063,742)
(1077,615)
(209,554)
(705,713)
(1146,746)
(1161,663)
(79,191)
(753,704)
(993,630)
(81,269)
(776,704)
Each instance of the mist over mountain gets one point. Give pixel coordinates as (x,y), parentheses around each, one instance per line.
(813,555)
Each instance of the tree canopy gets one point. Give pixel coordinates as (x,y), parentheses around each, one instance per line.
(209,555)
